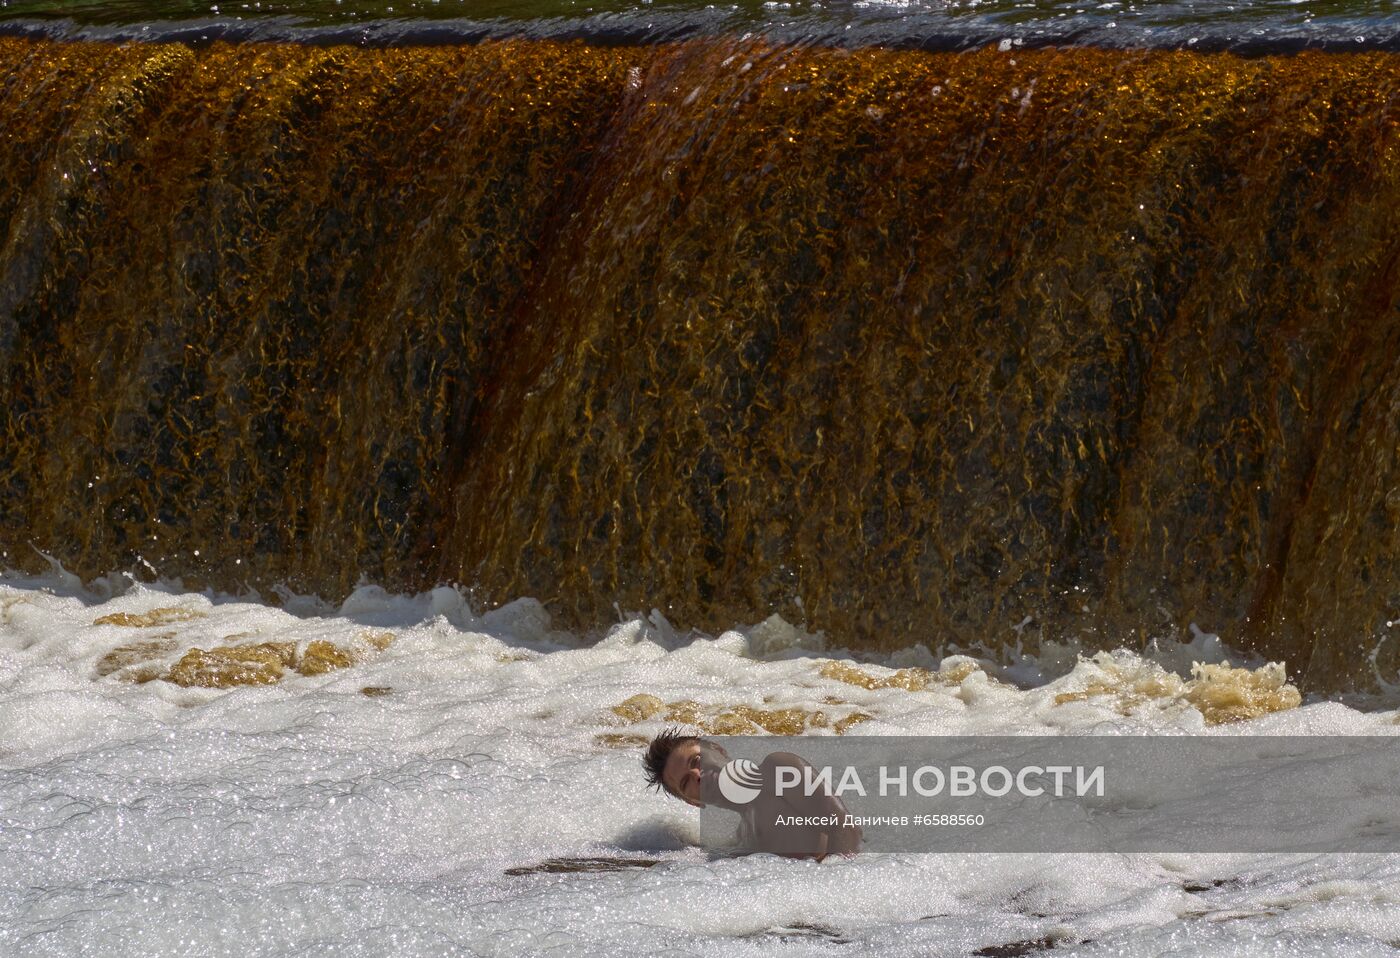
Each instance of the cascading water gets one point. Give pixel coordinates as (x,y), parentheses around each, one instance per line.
(908,346)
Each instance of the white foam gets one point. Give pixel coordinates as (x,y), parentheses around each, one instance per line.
(307,818)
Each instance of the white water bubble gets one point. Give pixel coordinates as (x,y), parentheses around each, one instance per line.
(313,816)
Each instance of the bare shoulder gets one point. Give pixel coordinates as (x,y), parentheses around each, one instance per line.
(784,759)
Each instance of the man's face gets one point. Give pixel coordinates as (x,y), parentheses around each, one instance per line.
(692,771)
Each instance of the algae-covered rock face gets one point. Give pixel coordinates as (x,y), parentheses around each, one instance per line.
(720,329)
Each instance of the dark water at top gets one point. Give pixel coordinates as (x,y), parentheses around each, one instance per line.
(1249,26)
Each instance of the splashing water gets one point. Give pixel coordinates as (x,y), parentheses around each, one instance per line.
(454,790)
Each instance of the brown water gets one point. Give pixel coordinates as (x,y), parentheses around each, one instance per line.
(932,343)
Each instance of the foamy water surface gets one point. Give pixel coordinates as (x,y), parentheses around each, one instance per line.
(400,800)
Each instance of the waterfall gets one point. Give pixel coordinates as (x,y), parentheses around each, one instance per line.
(911,347)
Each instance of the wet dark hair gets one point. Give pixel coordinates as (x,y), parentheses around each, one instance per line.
(660,749)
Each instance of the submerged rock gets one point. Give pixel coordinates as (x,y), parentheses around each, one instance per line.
(136,653)
(565,866)
(152,617)
(734,719)
(230,665)
(952,672)
(225,667)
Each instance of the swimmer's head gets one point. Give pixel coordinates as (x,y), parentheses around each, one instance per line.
(684,765)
